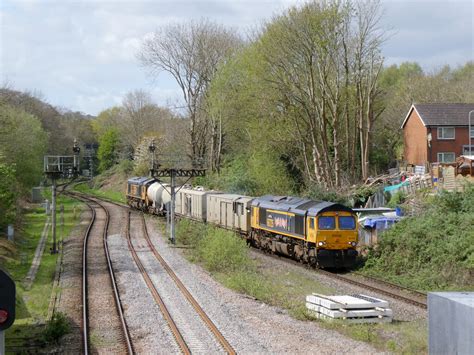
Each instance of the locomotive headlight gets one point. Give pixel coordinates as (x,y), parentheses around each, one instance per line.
(353,243)
(321,243)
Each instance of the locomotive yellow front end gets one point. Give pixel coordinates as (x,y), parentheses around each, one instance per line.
(334,232)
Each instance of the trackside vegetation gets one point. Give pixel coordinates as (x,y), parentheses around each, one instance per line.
(433,250)
(230,261)
(31,327)
(111,184)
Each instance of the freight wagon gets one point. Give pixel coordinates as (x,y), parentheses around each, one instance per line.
(320,233)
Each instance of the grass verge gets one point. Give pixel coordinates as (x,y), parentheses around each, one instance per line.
(32,303)
(109,194)
(229,261)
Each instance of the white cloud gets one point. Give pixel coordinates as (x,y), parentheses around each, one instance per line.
(82,54)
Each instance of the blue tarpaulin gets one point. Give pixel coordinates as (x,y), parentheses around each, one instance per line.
(381,222)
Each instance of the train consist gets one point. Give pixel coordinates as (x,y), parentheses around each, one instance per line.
(320,233)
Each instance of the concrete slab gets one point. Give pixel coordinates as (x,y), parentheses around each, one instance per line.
(346,301)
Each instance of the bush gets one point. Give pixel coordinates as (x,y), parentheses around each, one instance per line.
(432,251)
(57,327)
(221,250)
(218,250)
(189,233)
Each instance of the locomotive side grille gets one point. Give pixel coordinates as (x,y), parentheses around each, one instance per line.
(299,226)
(262,216)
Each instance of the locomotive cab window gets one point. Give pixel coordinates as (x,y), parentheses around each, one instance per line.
(326,222)
(347,222)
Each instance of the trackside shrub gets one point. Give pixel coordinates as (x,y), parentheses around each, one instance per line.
(432,251)
(221,250)
(189,233)
(57,327)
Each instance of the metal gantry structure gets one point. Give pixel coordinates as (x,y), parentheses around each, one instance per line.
(56,167)
(157,172)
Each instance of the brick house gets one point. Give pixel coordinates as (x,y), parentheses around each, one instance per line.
(437,133)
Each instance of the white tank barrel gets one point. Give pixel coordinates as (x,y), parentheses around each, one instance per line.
(158,195)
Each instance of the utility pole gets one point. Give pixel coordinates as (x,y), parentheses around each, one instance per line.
(172,173)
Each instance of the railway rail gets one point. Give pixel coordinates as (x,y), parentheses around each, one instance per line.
(403,294)
(177,334)
(164,310)
(369,283)
(207,321)
(406,295)
(125,336)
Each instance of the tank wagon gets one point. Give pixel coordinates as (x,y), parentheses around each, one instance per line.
(148,195)
(320,233)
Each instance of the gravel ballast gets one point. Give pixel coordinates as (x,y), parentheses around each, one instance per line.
(148,329)
(249,325)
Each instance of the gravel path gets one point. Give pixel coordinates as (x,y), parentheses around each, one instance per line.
(251,326)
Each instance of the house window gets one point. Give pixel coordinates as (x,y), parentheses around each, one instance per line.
(446,157)
(465,150)
(446,133)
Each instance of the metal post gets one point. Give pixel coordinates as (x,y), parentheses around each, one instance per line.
(173,198)
(168,217)
(53,216)
(2,342)
(61,221)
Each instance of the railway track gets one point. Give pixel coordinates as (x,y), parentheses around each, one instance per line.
(183,327)
(112,330)
(175,326)
(207,321)
(406,295)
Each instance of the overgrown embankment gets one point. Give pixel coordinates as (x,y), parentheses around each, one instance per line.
(433,250)
(33,301)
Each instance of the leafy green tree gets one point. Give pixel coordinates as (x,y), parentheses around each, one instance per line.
(107,152)
(8,189)
(23,144)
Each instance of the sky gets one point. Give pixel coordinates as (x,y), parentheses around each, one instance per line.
(82,55)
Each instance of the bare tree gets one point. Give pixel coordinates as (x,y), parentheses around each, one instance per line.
(323,62)
(191,53)
(368,63)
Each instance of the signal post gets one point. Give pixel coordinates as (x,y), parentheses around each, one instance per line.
(172,173)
